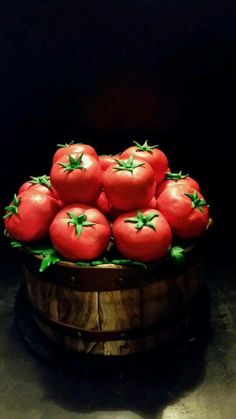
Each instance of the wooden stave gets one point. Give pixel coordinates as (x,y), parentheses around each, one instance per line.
(152,338)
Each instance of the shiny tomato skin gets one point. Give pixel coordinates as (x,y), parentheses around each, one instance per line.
(81,186)
(102,204)
(92,241)
(74,148)
(185,221)
(152,203)
(28,186)
(105,161)
(188,181)
(35,214)
(146,244)
(156,158)
(125,190)
(36,187)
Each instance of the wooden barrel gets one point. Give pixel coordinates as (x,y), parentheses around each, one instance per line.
(113,309)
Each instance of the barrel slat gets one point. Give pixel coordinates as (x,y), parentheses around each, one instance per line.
(76,308)
(148,305)
(119,310)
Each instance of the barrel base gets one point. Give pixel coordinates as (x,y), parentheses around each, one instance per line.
(183,340)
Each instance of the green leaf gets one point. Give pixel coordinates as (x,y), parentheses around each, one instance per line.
(97,262)
(103,261)
(129,262)
(15,244)
(49,258)
(138,264)
(178,254)
(39,249)
(81,263)
(121,261)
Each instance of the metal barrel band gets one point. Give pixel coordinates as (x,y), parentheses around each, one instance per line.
(69,278)
(109,335)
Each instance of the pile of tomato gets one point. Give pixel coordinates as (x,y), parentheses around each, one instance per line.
(132,198)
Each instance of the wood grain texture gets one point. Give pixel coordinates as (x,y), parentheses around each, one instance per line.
(120,311)
(165,299)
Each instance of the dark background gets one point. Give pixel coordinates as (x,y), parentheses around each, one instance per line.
(108,72)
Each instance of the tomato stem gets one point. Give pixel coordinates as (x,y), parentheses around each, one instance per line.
(42,180)
(175,176)
(74,163)
(66,144)
(197,202)
(12,209)
(145,147)
(79,222)
(128,165)
(143,220)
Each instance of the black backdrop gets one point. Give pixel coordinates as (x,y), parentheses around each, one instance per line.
(108,72)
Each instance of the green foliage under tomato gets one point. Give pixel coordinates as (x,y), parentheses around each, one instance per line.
(50,256)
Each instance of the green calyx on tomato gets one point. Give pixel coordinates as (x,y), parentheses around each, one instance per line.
(42,180)
(142,220)
(66,144)
(196,201)
(175,176)
(79,222)
(145,146)
(128,165)
(12,209)
(74,163)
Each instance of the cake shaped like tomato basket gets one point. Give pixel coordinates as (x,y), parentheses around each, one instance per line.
(137,285)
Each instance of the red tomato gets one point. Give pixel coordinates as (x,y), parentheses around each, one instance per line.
(66,149)
(29,216)
(102,203)
(105,161)
(176,179)
(80,232)
(129,184)
(152,155)
(77,178)
(152,203)
(185,210)
(38,184)
(142,235)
